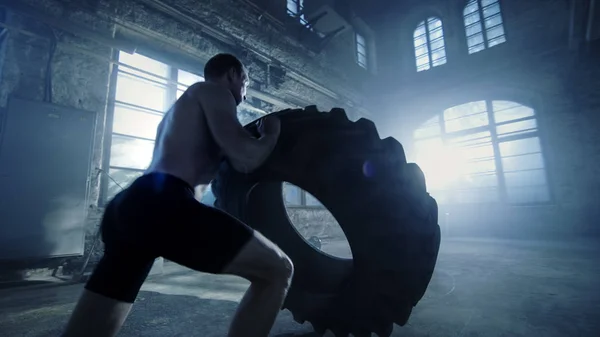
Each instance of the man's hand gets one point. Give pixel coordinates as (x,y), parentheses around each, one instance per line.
(269,126)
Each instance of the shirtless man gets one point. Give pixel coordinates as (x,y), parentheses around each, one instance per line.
(157,215)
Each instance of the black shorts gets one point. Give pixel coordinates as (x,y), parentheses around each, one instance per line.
(157,215)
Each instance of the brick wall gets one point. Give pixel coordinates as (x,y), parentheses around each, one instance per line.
(182,33)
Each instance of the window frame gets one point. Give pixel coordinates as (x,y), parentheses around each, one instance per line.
(481,22)
(429,51)
(499,171)
(357,53)
(171,88)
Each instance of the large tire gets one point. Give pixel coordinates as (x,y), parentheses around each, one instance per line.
(380,202)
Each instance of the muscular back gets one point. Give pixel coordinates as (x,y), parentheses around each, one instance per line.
(199,131)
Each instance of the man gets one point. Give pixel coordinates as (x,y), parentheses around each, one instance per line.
(157,215)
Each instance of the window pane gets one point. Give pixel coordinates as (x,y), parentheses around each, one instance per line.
(483,166)
(187,78)
(121,177)
(134,122)
(472,139)
(143,63)
(130,152)
(491,10)
(477,152)
(421,51)
(468,122)
(423,61)
(465,110)
(421,42)
(438,58)
(496,41)
(472,7)
(495,32)
(520,146)
(437,44)
(292,195)
(361,49)
(423,67)
(179,93)
(516,128)
(434,23)
(507,111)
(475,49)
(436,33)
(524,162)
(362,60)
(528,194)
(493,21)
(360,40)
(475,40)
(141,92)
(420,31)
(525,178)
(472,19)
(481,180)
(476,196)
(473,29)
(485,3)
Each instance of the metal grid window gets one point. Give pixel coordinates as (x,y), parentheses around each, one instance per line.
(361,51)
(479,14)
(145,89)
(430,50)
(485,151)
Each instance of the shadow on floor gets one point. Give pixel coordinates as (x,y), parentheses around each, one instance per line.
(153,315)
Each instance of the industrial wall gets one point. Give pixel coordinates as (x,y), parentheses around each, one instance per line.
(69,46)
(550,62)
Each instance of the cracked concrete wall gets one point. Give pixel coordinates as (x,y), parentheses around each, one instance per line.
(81,63)
(536,64)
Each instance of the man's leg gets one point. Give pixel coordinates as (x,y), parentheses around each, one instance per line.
(109,294)
(114,284)
(270,272)
(209,240)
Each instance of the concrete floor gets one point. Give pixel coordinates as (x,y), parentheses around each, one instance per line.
(480,288)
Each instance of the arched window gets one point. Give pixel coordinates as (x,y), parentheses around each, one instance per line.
(484,151)
(429,44)
(483,24)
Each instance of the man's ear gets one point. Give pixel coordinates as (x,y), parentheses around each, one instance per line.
(231,75)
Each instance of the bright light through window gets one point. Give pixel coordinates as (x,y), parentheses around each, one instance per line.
(483,152)
(145,89)
(428,38)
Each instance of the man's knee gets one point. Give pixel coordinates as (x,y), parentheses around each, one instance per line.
(261,260)
(286,271)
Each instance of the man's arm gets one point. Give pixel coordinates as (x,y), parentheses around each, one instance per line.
(245,152)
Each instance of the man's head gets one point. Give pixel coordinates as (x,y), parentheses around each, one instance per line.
(226,69)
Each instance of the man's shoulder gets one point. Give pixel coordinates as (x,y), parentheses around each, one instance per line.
(209,90)
(212,96)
